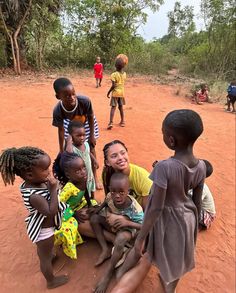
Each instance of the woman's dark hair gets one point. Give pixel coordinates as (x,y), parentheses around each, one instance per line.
(108,170)
(15,161)
(186,123)
(61,83)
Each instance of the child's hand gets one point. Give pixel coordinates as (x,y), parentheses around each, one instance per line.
(120,223)
(95,164)
(93,210)
(52,183)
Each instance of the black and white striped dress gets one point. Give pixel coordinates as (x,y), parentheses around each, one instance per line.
(35,219)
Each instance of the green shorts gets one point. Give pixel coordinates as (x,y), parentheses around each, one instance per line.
(117,100)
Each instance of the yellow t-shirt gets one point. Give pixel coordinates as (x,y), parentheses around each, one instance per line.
(139,181)
(119,79)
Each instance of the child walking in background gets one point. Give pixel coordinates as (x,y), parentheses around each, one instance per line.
(76,144)
(72,107)
(98,71)
(118,201)
(171,216)
(70,169)
(231,97)
(117,89)
(40,195)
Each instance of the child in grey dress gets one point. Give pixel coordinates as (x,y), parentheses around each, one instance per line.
(171,216)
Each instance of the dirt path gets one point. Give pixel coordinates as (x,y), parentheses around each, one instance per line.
(26,112)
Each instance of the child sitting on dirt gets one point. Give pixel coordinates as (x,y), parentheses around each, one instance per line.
(71,171)
(118,201)
(231,97)
(72,107)
(117,89)
(201,94)
(40,195)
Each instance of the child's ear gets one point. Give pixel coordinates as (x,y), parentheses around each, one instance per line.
(107,163)
(172,141)
(28,175)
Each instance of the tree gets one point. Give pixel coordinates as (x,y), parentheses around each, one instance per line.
(13,14)
(181,20)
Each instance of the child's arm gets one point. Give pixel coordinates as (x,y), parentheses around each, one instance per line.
(61,138)
(111,89)
(123,223)
(92,139)
(94,161)
(69,145)
(46,208)
(197,197)
(95,210)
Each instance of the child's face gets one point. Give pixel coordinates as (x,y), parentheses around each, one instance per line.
(78,136)
(40,172)
(117,157)
(98,59)
(77,171)
(119,191)
(67,96)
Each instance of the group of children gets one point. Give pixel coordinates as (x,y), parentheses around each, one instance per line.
(166,230)
(201,95)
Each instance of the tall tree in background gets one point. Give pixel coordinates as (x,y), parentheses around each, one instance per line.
(13,14)
(181,20)
(220,22)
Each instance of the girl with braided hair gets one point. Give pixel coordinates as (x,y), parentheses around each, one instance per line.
(40,194)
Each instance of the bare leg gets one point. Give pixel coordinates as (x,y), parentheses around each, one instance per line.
(97,82)
(121,239)
(98,184)
(233,106)
(100,82)
(129,282)
(44,250)
(122,117)
(86,230)
(98,224)
(112,113)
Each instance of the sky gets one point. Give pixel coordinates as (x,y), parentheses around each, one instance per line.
(157,23)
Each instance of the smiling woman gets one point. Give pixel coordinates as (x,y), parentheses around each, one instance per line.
(116,159)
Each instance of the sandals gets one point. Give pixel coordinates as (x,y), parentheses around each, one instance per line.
(110,125)
(122,124)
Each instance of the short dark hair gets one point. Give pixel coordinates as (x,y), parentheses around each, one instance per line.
(61,83)
(119,63)
(118,176)
(74,124)
(185,123)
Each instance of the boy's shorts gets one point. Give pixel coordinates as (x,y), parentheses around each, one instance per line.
(116,100)
(231,98)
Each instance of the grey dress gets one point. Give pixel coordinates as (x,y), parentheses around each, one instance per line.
(172,240)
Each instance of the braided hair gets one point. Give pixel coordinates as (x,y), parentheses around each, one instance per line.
(15,161)
(108,170)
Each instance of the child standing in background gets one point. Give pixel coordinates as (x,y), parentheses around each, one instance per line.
(170,224)
(117,89)
(98,71)
(40,195)
(231,97)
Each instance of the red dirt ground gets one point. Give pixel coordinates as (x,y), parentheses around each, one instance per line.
(26,111)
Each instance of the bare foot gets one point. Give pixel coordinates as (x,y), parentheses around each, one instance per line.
(103,256)
(102,285)
(58,281)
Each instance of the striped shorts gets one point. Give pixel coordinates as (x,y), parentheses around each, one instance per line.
(66,123)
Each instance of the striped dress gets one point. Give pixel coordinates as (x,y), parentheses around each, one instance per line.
(35,219)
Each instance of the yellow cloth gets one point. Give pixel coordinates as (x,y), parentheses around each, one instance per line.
(68,235)
(119,79)
(139,181)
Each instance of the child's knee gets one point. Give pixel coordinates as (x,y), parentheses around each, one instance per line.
(122,239)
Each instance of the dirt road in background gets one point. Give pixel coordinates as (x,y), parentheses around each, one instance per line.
(26,115)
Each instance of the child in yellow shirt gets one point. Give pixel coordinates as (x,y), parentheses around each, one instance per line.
(117,89)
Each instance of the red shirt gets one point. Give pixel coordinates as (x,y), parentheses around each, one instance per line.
(98,70)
